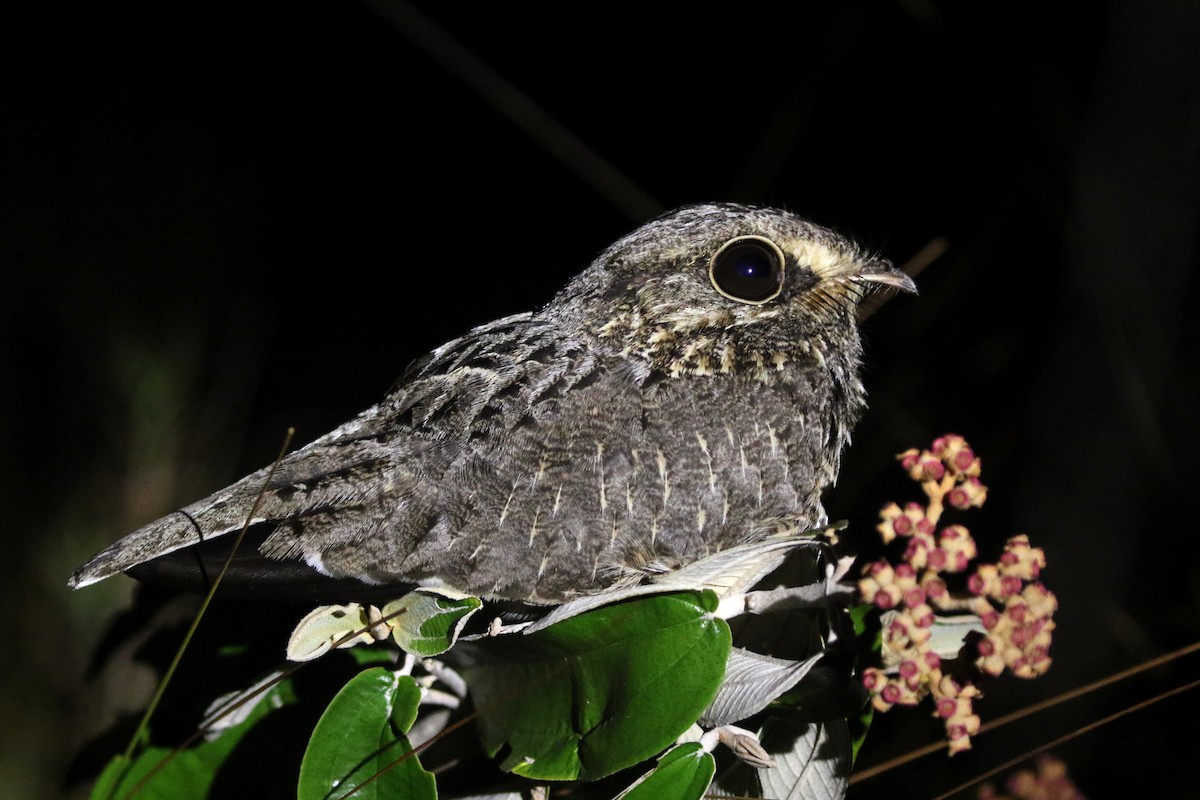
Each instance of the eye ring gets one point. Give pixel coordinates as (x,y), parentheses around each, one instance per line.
(748,269)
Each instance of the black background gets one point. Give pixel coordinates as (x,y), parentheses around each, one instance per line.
(219,220)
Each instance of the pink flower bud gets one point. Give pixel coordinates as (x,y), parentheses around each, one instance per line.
(881,571)
(967,494)
(1020,637)
(948,686)
(867,589)
(937,559)
(946,708)
(993,665)
(886,515)
(959,745)
(1022,560)
(935,588)
(1040,599)
(1040,659)
(1009,585)
(958,498)
(930,469)
(915,555)
(957,539)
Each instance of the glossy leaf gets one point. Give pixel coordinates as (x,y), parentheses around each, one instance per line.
(683,773)
(427,623)
(600,691)
(359,743)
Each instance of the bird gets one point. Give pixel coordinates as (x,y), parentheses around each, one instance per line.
(690,391)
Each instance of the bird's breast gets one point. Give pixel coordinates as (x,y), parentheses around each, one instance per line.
(625,477)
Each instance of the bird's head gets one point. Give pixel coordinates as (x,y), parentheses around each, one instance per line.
(711,288)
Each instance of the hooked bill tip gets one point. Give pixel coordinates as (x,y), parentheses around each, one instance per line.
(885,274)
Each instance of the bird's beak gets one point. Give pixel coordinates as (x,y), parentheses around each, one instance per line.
(883,273)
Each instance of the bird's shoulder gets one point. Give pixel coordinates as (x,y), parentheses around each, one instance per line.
(498,376)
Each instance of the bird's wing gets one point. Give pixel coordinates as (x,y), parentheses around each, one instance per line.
(384,464)
(495,409)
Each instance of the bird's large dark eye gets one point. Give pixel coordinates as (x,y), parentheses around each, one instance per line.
(748,269)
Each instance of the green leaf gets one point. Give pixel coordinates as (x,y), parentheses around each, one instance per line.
(858,728)
(427,623)
(324,626)
(859,615)
(683,773)
(191,772)
(600,691)
(359,744)
(186,775)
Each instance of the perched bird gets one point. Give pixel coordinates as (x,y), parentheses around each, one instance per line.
(689,391)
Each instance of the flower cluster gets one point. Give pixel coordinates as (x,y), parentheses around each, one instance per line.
(1006,612)
(1050,782)
(1018,633)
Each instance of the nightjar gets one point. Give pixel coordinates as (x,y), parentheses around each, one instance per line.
(689,391)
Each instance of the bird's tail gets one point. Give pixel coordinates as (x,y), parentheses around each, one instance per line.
(324,475)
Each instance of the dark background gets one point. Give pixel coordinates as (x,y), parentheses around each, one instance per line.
(219,220)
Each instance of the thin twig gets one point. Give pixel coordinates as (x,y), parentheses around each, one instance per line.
(140,731)
(519,109)
(935,747)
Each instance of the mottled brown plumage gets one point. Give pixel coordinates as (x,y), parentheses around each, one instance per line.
(680,396)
